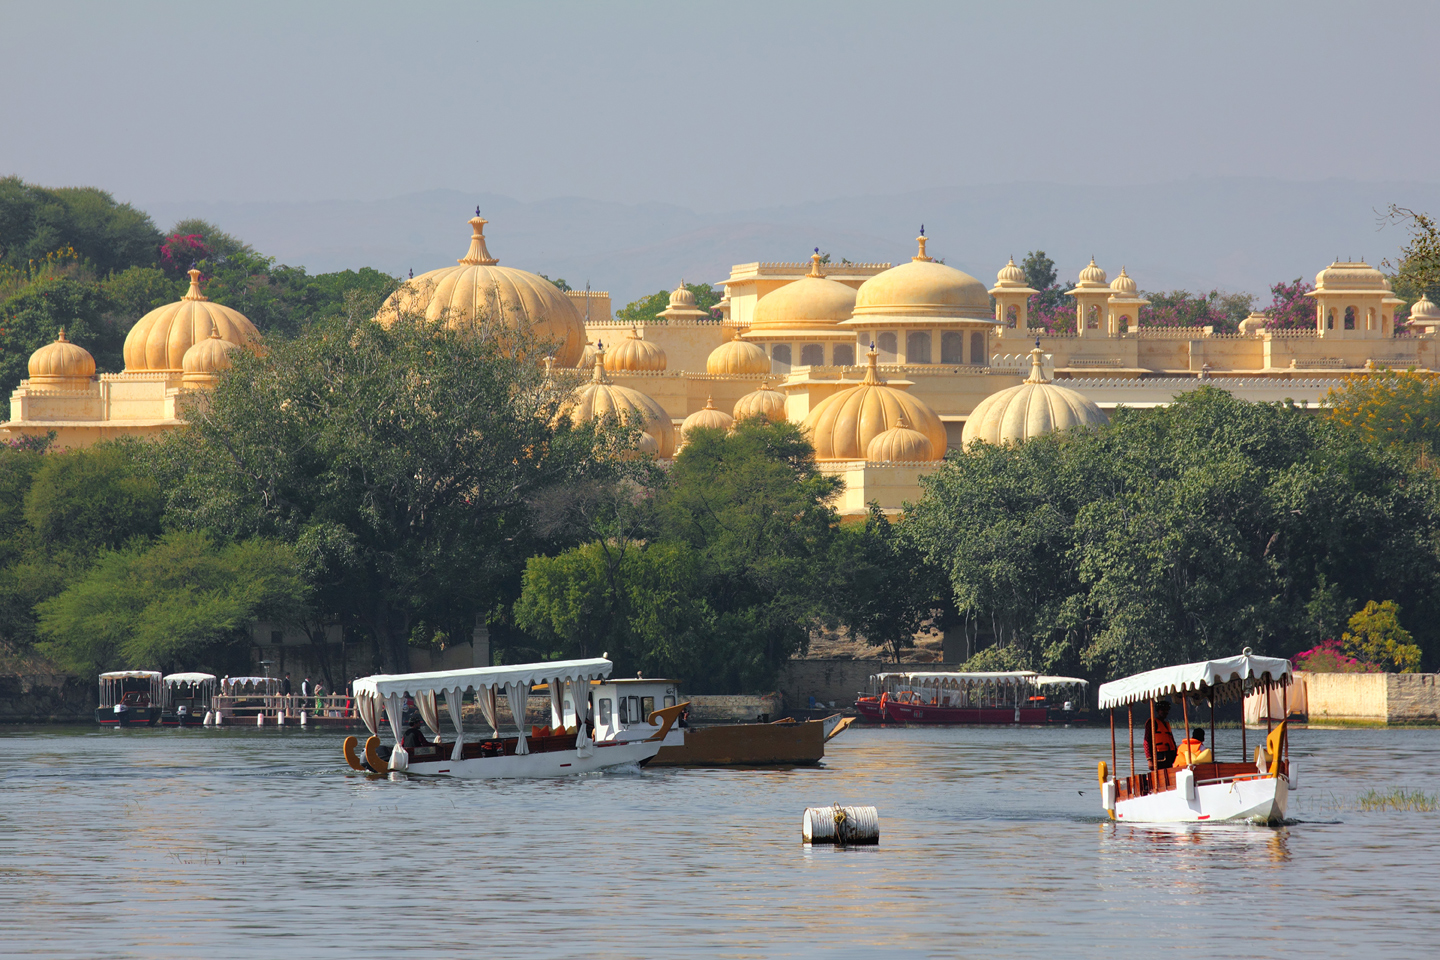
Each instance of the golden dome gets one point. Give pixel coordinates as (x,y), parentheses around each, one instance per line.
(808,304)
(681,298)
(920,289)
(1123,285)
(901,444)
(635,353)
(159,339)
(60,362)
(735,356)
(1034,408)
(1349,276)
(211,355)
(478,293)
(843,424)
(600,398)
(1093,276)
(764,402)
(1010,275)
(709,418)
(1423,313)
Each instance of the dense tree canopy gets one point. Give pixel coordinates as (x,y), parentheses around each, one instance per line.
(647,309)
(35,221)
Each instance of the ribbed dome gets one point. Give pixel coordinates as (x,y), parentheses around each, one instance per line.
(1032,409)
(1093,276)
(1423,313)
(634,353)
(1342,275)
(709,418)
(901,444)
(159,339)
(811,303)
(764,402)
(478,293)
(202,361)
(735,356)
(1010,275)
(842,425)
(922,288)
(681,298)
(1123,285)
(600,398)
(61,362)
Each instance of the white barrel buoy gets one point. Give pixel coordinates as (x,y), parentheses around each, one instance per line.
(259,719)
(841,826)
(304,719)
(280,718)
(209,719)
(219,717)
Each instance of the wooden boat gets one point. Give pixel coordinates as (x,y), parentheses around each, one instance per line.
(130,698)
(1020,696)
(1207,790)
(186,699)
(556,751)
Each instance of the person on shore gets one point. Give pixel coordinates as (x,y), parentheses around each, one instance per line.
(1159,741)
(1193,750)
(414,736)
(305,689)
(285,685)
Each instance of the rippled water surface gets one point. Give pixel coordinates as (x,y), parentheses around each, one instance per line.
(243,843)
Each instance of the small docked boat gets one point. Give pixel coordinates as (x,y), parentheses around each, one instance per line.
(1015,697)
(130,698)
(596,737)
(186,699)
(1190,784)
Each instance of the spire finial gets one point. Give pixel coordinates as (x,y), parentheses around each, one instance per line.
(922,240)
(901,423)
(1037,359)
(478,254)
(61,337)
(194,292)
(872,371)
(599,375)
(815,270)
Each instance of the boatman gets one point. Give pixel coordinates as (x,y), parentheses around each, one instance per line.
(414,737)
(1161,737)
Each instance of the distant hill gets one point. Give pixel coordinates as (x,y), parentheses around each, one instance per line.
(1236,234)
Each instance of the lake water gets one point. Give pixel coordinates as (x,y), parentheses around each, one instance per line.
(247,843)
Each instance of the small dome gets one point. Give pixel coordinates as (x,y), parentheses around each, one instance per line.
(159,339)
(922,288)
(634,353)
(1423,313)
(60,362)
(211,355)
(1010,275)
(681,298)
(479,294)
(600,398)
(1032,409)
(843,424)
(901,444)
(1350,276)
(709,418)
(811,303)
(735,356)
(1093,276)
(1123,285)
(764,402)
(1254,323)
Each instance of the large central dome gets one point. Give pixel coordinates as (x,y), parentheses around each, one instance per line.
(922,290)
(480,294)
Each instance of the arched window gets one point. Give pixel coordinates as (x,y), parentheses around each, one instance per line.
(1012,314)
(1124,324)
(780,355)
(812,355)
(917,347)
(887,345)
(1349,318)
(1330,321)
(952,347)
(977,347)
(844,354)
(1092,319)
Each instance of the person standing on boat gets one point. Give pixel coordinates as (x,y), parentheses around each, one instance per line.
(1159,739)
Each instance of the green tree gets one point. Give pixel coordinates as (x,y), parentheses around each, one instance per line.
(1417,272)
(34,317)
(1375,636)
(35,221)
(180,601)
(136,291)
(647,309)
(1039,270)
(886,590)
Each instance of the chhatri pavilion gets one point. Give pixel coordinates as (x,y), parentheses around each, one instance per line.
(886,367)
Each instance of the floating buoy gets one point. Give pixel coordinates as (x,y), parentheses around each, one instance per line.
(280,718)
(259,719)
(304,720)
(209,719)
(841,826)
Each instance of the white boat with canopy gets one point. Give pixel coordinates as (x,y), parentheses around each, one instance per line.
(554,751)
(187,698)
(130,698)
(1187,783)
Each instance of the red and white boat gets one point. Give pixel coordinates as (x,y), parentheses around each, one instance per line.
(582,736)
(1020,696)
(130,698)
(1209,790)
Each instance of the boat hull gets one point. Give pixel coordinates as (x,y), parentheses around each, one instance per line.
(135,717)
(1258,799)
(748,745)
(902,712)
(555,763)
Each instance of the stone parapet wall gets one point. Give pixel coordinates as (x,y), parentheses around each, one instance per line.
(743,708)
(46,698)
(827,680)
(1411,698)
(1371,697)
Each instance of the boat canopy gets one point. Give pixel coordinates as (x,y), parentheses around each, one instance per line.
(176,679)
(1011,676)
(131,675)
(236,683)
(479,678)
(1229,679)
(1061,681)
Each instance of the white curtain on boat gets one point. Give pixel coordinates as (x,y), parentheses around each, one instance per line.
(580,696)
(425,702)
(454,698)
(394,709)
(557,703)
(486,699)
(516,693)
(369,711)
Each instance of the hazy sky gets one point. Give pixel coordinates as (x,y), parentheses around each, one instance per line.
(713,106)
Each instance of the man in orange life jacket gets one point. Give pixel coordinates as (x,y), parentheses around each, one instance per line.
(1161,737)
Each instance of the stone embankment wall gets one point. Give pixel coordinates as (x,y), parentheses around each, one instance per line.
(46,698)
(1372,697)
(834,680)
(736,709)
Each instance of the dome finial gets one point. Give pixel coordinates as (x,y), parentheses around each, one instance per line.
(61,337)
(815,270)
(1037,361)
(478,253)
(922,240)
(872,372)
(599,375)
(194,292)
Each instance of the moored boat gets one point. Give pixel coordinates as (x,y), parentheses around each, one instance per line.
(960,698)
(186,699)
(558,750)
(130,698)
(1191,785)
